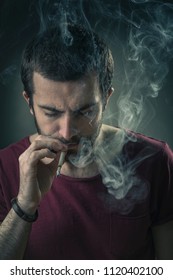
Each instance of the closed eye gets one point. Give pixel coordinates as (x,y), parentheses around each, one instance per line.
(52,114)
(89,113)
(86,113)
(50,111)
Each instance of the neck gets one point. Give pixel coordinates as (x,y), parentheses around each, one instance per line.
(72,171)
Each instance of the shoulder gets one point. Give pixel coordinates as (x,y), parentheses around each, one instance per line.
(141,140)
(133,141)
(142,145)
(136,148)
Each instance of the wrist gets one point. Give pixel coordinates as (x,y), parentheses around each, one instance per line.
(23,215)
(27,206)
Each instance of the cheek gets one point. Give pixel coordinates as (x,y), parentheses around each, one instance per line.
(51,128)
(48,127)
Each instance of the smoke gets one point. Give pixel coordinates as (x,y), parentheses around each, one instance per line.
(146,62)
(147,52)
(125,188)
(84,154)
(140,1)
(60,13)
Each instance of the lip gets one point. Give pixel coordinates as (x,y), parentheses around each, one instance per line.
(71,144)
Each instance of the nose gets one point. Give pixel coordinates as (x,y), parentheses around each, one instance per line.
(67,128)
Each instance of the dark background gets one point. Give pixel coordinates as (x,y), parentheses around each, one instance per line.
(20,19)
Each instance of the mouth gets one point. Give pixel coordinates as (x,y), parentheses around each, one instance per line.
(72,147)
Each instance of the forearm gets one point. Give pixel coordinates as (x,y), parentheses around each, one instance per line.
(37,166)
(14,233)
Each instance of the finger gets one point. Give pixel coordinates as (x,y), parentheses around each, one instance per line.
(51,144)
(41,154)
(34,157)
(64,145)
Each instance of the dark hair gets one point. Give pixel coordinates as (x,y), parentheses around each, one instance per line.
(67,53)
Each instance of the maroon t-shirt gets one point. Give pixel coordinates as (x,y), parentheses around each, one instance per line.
(78,219)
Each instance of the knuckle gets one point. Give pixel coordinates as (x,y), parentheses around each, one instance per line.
(47,150)
(36,143)
(38,137)
(22,158)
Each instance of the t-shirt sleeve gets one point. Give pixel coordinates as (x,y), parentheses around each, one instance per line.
(162,197)
(3,209)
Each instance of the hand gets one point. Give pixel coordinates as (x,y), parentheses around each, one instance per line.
(38,165)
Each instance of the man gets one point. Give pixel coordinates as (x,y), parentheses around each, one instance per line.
(113,198)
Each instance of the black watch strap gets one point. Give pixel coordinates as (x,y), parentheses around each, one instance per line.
(21,213)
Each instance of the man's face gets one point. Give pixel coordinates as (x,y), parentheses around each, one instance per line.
(68,111)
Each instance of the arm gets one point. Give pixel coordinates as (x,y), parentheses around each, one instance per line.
(37,165)
(14,233)
(163,241)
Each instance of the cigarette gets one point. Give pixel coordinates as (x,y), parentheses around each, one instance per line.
(60,163)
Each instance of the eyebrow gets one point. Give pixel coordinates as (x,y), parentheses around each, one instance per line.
(49,108)
(55,110)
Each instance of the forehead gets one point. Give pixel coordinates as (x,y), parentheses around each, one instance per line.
(86,88)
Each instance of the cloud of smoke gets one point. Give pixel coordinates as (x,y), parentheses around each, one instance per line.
(58,12)
(147,56)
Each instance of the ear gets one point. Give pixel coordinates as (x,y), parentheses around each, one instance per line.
(27,99)
(110,92)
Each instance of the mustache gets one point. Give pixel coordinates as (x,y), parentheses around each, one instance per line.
(73,141)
